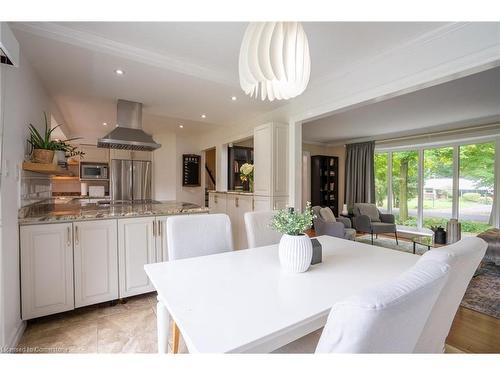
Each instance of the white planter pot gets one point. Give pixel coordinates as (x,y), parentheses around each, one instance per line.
(295,253)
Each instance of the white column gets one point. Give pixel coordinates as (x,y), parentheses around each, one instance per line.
(295,164)
(456,176)
(496,200)
(420,189)
(221,167)
(389,182)
(162,326)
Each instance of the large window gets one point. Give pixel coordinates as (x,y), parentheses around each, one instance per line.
(476,184)
(404,187)
(438,186)
(427,186)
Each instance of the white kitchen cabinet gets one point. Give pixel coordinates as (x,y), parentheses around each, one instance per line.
(263,203)
(271,160)
(237,205)
(95,261)
(130,155)
(217,203)
(120,154)
(46,269)
(136,247)
(161,239)
(94,154)
(142,155)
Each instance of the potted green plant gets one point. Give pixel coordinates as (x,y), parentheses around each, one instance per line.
(43,147)
(295,247)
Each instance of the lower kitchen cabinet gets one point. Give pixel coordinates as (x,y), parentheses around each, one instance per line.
(95,261)
(46,269)
(161,239)
(237,205)
(136,247)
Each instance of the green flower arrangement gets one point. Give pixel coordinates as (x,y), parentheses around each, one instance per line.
(291,222)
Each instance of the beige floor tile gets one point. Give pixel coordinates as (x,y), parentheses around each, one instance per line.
(61,337)
(133,331)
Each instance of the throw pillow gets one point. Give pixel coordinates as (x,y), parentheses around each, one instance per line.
(369,210)
(327,215)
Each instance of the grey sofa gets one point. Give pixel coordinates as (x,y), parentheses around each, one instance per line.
(368,219)
(337,227)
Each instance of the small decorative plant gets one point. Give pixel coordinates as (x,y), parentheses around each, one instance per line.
(246,174)
(44,147)
(291,222)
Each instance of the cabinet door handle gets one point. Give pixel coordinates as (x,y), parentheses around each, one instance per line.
(68,230)
(154,228)
(236,202)
(215,199)
(159,228)
(77,240)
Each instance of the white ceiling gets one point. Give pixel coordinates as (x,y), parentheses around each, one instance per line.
(179,70)
(467,101)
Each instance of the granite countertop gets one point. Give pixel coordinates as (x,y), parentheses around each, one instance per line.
(57,210)
(239,192)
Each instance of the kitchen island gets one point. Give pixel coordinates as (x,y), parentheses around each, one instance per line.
(79,252)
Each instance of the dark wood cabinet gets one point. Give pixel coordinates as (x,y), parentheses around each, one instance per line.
(237,156)
(324,181)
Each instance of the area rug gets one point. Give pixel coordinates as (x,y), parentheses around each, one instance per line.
(483,292)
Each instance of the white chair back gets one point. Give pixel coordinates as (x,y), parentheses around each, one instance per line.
(197,235)
(463,258)
(259,233)
(388,318)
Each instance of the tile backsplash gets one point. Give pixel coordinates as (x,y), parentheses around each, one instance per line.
(34,187)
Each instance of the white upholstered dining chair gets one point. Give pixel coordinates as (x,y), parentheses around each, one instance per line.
(193,236)
(463,258)
(259,233)
(197,235)
(388,318)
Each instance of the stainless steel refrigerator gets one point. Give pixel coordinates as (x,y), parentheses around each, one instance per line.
(130,180)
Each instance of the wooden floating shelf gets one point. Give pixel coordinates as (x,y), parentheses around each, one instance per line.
(52,169)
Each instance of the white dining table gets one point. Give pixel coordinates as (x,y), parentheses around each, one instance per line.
(242,301)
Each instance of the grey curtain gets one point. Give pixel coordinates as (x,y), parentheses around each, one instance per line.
(359,173)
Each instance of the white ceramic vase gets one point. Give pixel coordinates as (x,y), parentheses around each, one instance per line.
(295,253)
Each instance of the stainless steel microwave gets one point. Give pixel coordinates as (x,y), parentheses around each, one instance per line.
(94,171)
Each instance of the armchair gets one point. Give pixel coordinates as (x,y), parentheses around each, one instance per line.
(325,223)
(368,219)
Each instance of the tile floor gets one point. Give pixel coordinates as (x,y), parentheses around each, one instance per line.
(128,327)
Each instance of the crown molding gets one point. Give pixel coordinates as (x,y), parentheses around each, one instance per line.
(97,43)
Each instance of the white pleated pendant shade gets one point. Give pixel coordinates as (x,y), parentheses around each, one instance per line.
(274,59)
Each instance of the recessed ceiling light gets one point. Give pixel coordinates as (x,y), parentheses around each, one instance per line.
(181,126)
(203,116)
(119,72)
(105,124)
(233,98)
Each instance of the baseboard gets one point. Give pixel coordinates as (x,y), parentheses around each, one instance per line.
(18,334)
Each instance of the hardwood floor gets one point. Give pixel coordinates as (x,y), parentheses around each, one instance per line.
(474,332)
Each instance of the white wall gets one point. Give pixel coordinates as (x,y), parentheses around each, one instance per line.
(24,102)
(167,169)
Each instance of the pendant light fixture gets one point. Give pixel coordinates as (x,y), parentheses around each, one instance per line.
(274,59)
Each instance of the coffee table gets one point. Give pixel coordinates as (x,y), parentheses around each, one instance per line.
(425,241)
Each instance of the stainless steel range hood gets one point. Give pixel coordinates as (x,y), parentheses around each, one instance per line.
(128,134)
